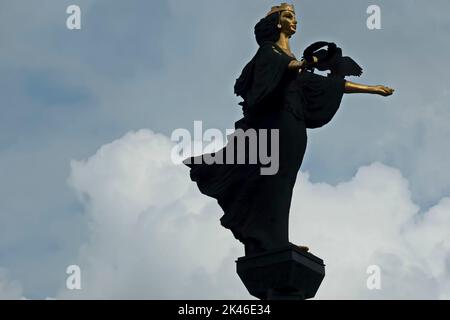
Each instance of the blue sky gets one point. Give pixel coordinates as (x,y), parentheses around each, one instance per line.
(160,65)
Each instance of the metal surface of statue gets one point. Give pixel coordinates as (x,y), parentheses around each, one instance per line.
(282,93)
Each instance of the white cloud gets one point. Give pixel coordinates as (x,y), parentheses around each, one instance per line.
(9,290)
(153,235)
(371,220)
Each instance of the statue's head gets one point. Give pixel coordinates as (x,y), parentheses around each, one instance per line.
(280,19)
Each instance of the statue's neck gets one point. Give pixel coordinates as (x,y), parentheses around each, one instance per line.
(283,43)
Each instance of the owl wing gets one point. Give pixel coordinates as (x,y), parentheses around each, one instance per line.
(346,66)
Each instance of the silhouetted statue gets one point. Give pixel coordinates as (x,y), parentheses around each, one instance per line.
(279,92)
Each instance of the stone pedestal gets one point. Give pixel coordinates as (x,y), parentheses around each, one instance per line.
(283,274)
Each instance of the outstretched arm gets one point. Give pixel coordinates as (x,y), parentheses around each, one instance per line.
(352,87)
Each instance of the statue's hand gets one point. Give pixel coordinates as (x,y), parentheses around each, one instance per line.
(383,90)
(306,64)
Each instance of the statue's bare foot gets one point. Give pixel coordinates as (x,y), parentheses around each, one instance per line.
(303,248)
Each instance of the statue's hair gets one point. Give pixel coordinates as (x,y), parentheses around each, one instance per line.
(266,29)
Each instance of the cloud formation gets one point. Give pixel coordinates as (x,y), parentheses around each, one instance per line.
(9,290)
(153,235)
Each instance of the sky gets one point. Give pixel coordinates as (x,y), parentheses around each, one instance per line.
(86,176)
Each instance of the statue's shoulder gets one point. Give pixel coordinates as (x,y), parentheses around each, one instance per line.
(268,51)
(268,45)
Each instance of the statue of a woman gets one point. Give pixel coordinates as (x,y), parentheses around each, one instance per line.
(278,94)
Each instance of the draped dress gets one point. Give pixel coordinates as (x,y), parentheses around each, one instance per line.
(256,206)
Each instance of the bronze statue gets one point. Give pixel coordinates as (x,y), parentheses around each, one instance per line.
(280,92)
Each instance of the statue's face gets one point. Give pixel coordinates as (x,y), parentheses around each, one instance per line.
(288,23)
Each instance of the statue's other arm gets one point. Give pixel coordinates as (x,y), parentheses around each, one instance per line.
(297,65)
(352,87)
